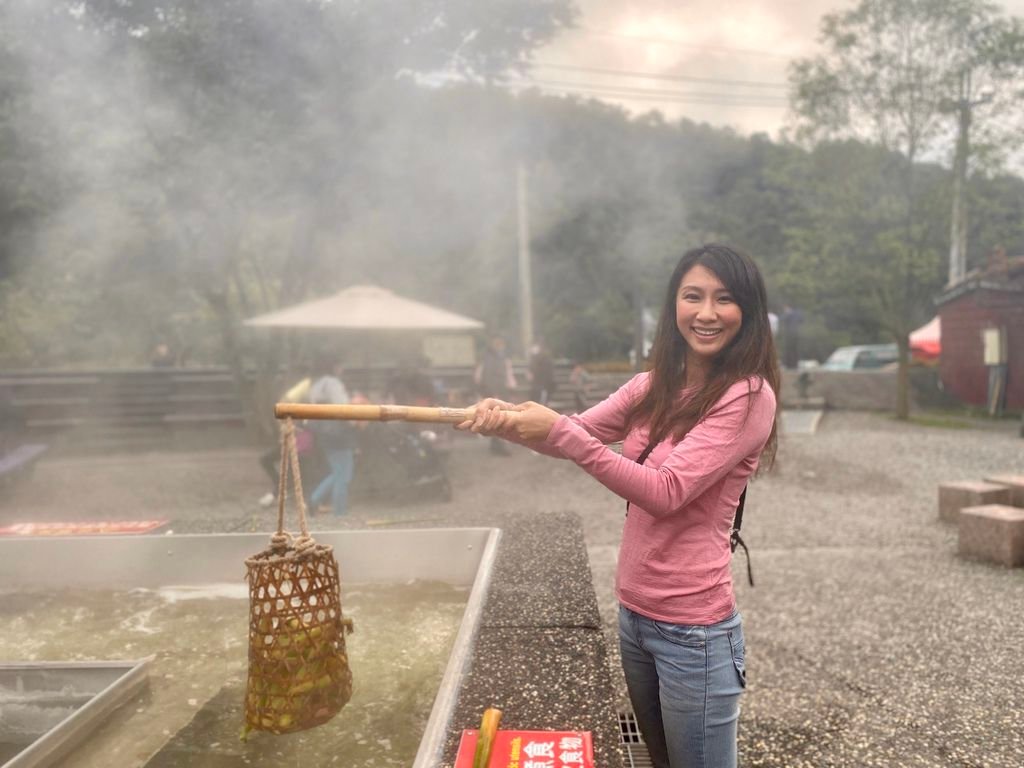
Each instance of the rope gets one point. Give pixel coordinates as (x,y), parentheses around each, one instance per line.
(282,540)
(300,497)
(282,474)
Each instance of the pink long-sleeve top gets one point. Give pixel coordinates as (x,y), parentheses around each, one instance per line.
(674,559)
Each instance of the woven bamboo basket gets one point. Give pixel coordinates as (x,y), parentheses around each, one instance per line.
(299,676)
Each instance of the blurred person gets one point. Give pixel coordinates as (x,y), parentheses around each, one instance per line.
(161,382)
(270,460)
(494,378)
(694,430)
(579,380)
(410,384)
(12,423)
(162,356)
(790,323)
(542,373)
(336,440)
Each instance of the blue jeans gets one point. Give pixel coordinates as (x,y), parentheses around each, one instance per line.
(684,683)
(336,482)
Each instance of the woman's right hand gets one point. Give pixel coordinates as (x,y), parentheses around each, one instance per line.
(491,417)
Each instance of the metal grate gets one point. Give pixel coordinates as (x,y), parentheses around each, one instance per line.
(635,749)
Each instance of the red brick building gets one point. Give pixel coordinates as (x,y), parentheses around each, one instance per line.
(989,298)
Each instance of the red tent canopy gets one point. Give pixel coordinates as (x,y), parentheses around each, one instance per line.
(926,341)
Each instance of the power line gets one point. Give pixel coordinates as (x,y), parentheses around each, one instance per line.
(665,41)
(641,96)
(626,93)
(652,93)
(654,76)
(663,100)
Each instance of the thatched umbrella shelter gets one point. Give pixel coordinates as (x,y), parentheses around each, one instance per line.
(375,329)
(364,308)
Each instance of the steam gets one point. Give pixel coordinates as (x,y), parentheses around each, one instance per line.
(166,203)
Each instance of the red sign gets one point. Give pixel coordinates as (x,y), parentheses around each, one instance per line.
(97,528)
(531,749)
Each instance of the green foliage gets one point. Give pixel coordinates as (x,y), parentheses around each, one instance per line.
(997,216)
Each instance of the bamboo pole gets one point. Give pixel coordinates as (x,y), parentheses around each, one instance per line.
(371,412)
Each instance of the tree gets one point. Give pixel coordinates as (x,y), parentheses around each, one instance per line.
(849,231)
(819,222)
(888,69)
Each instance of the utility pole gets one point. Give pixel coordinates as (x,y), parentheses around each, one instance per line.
(525,290)
(958,224)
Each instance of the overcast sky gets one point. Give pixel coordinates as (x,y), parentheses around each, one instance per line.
(747,43)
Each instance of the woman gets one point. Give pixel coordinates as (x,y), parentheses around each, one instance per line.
(694,430)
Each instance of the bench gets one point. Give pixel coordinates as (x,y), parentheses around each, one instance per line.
(994,533)
(956,496)
(19,462)
(1015,484)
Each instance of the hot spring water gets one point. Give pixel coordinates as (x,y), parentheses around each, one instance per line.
(414,595)
(194,703)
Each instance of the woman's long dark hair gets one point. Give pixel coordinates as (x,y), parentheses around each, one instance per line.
(750,353)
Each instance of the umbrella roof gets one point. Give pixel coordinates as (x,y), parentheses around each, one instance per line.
(366,307)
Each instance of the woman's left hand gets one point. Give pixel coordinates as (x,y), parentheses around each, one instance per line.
(533,421)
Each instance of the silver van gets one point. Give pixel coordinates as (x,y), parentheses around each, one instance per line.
(862,357)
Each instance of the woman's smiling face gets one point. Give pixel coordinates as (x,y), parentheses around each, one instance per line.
(707,314)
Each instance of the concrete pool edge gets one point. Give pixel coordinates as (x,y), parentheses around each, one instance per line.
(431,750)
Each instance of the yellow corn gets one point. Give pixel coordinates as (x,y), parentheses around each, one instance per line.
(485,738)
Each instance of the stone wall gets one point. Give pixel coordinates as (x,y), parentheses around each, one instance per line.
(852,390)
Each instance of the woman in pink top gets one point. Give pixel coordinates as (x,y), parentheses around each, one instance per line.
(693,430)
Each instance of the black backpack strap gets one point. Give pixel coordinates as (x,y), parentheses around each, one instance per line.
(737,522)
(640,460)
(734,535)
(647,452)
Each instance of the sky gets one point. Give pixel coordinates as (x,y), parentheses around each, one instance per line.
(743,46)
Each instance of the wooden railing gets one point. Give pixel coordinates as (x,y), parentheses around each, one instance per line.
(98,402)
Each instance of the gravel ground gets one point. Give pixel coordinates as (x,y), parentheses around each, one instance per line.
(870,643)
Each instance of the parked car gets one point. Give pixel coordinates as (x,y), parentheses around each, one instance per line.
(861,357)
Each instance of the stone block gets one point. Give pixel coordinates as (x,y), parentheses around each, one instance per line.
(993,532)
(968,493)
(1016,485)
